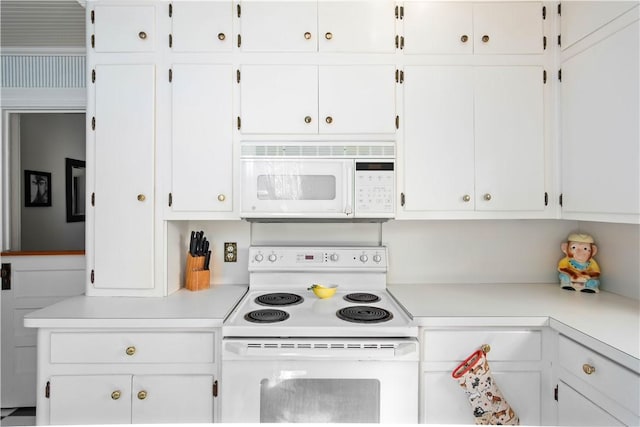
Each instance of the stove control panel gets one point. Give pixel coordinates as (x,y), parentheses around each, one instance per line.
(305,258)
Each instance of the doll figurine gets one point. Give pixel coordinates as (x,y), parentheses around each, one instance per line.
(578,270)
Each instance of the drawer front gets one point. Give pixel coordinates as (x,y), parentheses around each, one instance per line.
(133,347)
(608,377)
(505,345)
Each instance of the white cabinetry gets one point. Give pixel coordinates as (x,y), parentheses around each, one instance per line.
(114,377)
(600,106)
(466,27)
(198,26)
(119,28)
(325,26)
(593,389)
(516,362)
(473,139)
(309,99)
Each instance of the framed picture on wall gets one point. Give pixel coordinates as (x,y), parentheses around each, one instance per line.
(37,188)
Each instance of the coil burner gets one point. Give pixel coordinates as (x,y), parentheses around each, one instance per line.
(362,297)
(280,299)
(364,314)
(267,315)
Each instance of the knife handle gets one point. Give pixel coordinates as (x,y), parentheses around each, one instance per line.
(207,259)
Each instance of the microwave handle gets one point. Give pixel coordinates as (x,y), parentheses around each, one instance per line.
(349,197)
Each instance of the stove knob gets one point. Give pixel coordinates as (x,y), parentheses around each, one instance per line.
(334,257)
(258,258)
(364,258)
(377,258)
(273,257)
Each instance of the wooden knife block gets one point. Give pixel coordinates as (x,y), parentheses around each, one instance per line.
(196,277)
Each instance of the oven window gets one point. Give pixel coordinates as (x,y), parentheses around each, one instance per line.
(296,187)
(320,400)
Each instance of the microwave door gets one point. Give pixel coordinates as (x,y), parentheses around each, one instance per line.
(283,188)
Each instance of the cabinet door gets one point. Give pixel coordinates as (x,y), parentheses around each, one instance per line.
(201,176)
(279,99)
(172,399)
(201,26)
(356,26)
(123,176)
(438,138)
(576,410)
(438,28)
(508,28)
(357,99)
(600,109)
(125,28)
(279,26)
(509,138)
(90,399)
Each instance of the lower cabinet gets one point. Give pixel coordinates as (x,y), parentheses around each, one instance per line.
(123,399)
(516,362)
(578,410)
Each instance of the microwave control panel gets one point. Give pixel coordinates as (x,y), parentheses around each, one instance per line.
(375,188)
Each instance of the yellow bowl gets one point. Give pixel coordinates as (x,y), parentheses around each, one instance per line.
(324,291)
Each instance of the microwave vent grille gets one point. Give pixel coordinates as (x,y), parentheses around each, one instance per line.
(324,151)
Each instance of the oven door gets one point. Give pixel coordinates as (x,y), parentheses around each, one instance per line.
(316,382)
(289,188)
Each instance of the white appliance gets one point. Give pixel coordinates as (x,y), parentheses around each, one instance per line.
(290,356)
(318,180)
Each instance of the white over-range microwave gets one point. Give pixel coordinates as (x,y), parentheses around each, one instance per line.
(328,180)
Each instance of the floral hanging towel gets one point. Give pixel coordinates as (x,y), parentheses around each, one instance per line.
(488,404)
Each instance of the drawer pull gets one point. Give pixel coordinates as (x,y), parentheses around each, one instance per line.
(116,395)
(142,395)
(588,369)
(486,348)
(142,35)
(130,351)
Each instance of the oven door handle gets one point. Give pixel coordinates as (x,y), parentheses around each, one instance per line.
(403,351)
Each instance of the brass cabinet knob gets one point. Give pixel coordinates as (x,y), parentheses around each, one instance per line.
(487,197)
(141,197)
(328,36)
(464,38)
(466,198)
(142,35)
(221,197)
(116,395)
(486,348)
(329,119)
(142,395)
(588,369)
(485,38)
(130,351)
(307,119)
(221,36)
(307,35)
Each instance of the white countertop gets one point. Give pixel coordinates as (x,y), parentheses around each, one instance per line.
(607,318)
(183,309)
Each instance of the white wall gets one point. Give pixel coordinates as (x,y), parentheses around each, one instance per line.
(46,139)
(484,251)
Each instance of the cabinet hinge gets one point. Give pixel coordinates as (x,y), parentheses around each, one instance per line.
(93,123)
(93,199)
(399,76)
(93,16)
(239,123)
(560,74)
(93,75)
(214,388)
(93,276)
(544,42)
(397,122)
(6,276)
(559,40)
(170,75)
(170,199)
(555,394)
(238,9)
(170,40)
(544,76)
(170,10)
(544,12)
(399,12)
(401,199)
(93,41)
(239,40)
(546,198)
(560,9)
(47,389)
(238,76)
(560,200)
(399,42)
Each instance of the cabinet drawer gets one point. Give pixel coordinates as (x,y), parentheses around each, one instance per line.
(608,377)
(505,345)
(133,347)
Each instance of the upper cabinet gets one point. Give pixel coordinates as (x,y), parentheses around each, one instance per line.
(324,26)
(478,28)
(198,26)
(124,28)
